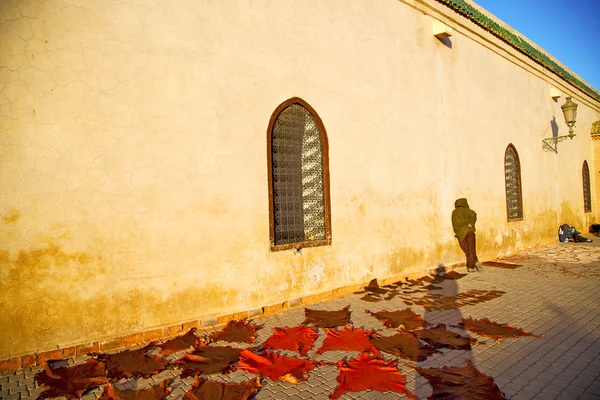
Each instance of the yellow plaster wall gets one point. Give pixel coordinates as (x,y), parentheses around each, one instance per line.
(133,176)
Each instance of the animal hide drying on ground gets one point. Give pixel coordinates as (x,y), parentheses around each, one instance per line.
(327,319)
(368,372)
(464,383)
(274,366)
(406,319)
(182,342)
(132,363)
(403,344)
(439,337)
(155,392)
(211,390)
(453,275)
(500,265)
(71,382)
(435,301)
(375,293)
(208,360)
(237,331)
(485,327)
(299,338)
(372,298)
(347,339)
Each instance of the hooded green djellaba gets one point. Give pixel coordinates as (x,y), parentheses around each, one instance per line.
(462,216)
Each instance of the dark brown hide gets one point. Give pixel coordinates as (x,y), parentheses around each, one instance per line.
(347,339)
(182,342)
(425,280)
(299,338)
(485,327)
(452,275)
(517,259)
(274,366)
(374,287)
(403,344)
(406,319)
(208,360)
(71,382)
(237,331)
(440,337)
(500,265)
(436,301)
(461,383)
(156,392)
(327,319)
(132,363)
(210,390)
(371,298)
(368,372)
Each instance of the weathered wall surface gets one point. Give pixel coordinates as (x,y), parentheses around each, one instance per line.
(133,175)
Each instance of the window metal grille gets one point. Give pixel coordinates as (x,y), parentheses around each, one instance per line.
(512,175)
(587,196)
(298,183)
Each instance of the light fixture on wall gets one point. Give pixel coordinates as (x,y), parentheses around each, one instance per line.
(569,110)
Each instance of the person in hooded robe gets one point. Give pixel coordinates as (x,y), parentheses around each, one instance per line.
(463,223)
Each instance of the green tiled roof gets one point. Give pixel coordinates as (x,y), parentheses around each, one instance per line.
(465,9)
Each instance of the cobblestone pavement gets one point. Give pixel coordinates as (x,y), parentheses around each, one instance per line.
(555,293)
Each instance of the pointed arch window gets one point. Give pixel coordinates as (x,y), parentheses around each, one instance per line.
(587,195)
(512,178)
(299,205)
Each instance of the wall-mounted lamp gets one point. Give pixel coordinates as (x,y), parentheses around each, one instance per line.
(440,30)
(569,110)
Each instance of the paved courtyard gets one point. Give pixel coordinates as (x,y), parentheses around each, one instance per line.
(554,294)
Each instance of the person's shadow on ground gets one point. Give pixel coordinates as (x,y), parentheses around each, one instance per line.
(443,309)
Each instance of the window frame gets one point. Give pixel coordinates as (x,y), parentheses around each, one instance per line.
(326,186)
(587,208)
(520,217)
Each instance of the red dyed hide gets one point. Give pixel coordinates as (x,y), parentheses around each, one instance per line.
(208,360)
(299,338)
(156,392)
(210,390)
(405,345)
(182,342)
(274,366)
(71,382)
(327,319)
(406,319)
(237,331)
(464,383)
(350,339)
(485,327)
(369,373)
(132,363)
(439,337)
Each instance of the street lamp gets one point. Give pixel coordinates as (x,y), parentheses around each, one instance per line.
(569,110)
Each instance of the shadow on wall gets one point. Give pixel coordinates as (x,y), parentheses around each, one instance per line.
(446,42)
(554,127)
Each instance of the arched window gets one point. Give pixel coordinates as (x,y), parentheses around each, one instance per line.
(299,206)
(512,177)
(587,196)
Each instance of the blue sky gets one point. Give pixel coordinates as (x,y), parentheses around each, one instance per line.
(567,29)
